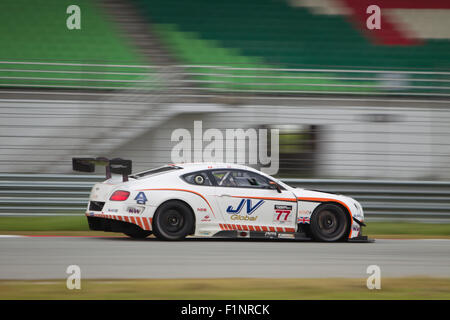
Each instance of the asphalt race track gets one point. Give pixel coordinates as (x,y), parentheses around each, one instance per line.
(101,257)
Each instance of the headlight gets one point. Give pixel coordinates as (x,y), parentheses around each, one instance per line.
(359,211)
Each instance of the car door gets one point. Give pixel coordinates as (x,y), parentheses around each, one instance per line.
(248,202)
(204,204)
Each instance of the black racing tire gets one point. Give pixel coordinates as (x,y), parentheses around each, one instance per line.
(329,223)
(173,220)
(138,234)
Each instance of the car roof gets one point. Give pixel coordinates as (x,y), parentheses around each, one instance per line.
(184,168)
(193,166)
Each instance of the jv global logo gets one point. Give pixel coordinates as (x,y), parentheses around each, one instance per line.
(250,208)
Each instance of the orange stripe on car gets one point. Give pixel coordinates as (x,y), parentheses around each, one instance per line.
(145,221)
(268,198)
(183,190)
(139,222)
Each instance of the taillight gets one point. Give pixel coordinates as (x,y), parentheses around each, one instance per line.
(119,195)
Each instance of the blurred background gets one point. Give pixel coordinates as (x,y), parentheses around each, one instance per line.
(361,112)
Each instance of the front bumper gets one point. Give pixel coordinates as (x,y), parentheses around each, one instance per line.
(361,239)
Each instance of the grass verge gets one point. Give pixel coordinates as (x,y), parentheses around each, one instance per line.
(57,223)
(229,289)
(77,225)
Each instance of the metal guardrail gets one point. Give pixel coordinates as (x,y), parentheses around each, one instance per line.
(64,194)
(234,79)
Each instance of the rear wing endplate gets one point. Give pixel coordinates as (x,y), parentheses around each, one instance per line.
(116,165)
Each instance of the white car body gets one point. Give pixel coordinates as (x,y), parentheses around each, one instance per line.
(217,208)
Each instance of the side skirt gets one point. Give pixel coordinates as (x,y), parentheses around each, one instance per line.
(261,235)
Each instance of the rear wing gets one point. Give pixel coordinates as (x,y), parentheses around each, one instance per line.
(116,165)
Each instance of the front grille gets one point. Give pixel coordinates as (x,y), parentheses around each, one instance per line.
(96,205)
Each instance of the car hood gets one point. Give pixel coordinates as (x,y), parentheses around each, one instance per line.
(310,195)
(304,193)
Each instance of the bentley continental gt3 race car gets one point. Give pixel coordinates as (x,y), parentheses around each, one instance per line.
(214,200)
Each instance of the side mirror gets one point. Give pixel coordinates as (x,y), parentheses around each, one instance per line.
(274,185)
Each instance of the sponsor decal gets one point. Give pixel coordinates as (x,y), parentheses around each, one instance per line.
(141,198)
(201,209)
(250,208)
(282,214)
(246,218)
(113,210)
(206,219)
(135,210)
(304,212)
(270,234)
(282,207)
(303,220)
(286,236)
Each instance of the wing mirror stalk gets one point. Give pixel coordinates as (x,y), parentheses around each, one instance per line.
(275,185)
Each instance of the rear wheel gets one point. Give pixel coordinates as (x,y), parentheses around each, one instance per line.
(173,221)
(329,222)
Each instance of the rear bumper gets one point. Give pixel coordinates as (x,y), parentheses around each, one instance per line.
(115,225)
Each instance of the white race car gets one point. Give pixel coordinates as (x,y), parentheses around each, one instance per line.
(214,200)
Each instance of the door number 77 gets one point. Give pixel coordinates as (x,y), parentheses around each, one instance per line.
(282,215)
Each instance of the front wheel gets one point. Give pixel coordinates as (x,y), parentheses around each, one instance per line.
(173,221)
(329,222)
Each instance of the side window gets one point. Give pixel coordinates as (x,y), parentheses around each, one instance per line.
(198,178)
(240,179)
(251,179)
(224,178)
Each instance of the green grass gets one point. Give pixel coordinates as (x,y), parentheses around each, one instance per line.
(61,223)
(229,289)
(408,229)
(79,223)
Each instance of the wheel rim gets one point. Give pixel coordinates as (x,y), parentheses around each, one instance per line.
(328,223)
(173,221)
